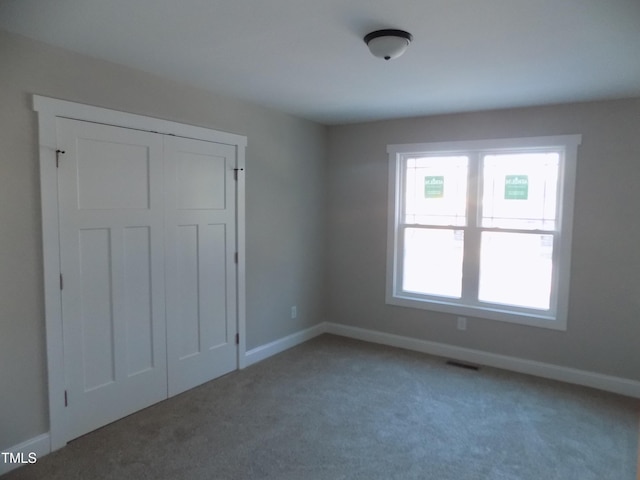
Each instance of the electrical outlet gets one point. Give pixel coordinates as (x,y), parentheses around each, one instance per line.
(294,312)
(462,323)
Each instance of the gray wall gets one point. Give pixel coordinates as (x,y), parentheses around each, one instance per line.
(288,181)
(285,205)
(603,332)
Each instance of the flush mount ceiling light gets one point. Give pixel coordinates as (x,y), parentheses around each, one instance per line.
(388,44)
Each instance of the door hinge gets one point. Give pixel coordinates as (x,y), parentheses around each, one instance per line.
(237,339)
(58,153)
(235,257)
(66,400)
(61,282)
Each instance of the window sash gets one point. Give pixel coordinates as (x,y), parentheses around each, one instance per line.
(471,268)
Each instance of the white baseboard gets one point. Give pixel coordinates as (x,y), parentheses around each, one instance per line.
(622,386)
(608,383)
(265,351)
(39,445)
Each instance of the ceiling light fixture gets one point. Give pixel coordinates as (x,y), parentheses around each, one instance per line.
(388,44)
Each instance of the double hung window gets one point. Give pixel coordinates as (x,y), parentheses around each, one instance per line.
(483,228)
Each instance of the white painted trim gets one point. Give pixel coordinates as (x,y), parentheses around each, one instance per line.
(469,305)
(277,346)
(608,383)
(90,113)
(622,386)
(487,144)
(39,445)
(242,257)
(51,259)
(48,110)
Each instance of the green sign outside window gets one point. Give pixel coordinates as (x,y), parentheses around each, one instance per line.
(433,187)
(516,187)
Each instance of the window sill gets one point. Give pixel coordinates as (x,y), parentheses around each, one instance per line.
(484,312)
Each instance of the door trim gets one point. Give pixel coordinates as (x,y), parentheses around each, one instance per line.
(48,110)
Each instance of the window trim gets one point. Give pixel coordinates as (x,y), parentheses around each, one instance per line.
(556,318)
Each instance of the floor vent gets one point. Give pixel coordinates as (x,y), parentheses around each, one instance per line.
(453,363)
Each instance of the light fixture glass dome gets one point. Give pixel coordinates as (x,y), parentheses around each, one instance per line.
(388,44)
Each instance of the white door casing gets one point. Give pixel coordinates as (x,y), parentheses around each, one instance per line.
(110,245)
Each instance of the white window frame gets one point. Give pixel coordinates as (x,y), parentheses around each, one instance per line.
(556,316)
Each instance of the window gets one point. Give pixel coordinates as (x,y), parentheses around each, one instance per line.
(483,228)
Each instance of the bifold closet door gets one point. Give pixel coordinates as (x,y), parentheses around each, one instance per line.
(148,285)
(111,214)
(200,261)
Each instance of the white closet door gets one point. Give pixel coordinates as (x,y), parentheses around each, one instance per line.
(201,272)
(112,261)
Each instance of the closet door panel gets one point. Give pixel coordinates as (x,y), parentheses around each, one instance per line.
(201,273)
(111,214)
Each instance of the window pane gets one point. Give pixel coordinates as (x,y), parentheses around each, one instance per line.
(433,261)
(436,190)
(515,269)
(519,190)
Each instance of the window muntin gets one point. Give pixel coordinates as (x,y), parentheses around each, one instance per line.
(483,228)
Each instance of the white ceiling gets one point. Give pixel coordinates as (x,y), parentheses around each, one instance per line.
(307,57)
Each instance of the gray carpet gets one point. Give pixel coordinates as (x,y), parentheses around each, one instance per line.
(336,408)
